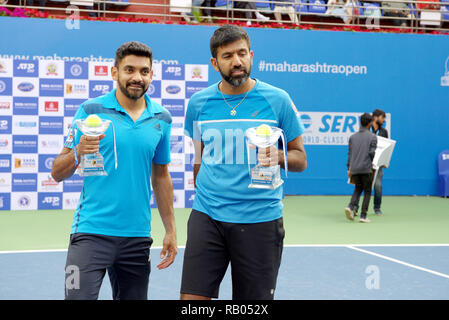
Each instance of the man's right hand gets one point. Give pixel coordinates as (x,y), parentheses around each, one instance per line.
(88,145)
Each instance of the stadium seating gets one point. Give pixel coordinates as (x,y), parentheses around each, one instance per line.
(443,173)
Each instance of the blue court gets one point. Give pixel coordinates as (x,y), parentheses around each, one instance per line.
(374,272)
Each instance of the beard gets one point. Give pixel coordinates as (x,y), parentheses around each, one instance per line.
(235,81)
(132,94)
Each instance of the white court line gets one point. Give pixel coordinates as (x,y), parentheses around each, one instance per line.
(285,246)
(400,262)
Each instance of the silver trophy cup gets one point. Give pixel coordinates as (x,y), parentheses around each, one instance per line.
(93,164)
(263,177)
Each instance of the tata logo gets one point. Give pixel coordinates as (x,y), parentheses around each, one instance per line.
(103,88)
(177,71)
(53,201)
(338,124)
(173,89)
(28,67)
(25,86)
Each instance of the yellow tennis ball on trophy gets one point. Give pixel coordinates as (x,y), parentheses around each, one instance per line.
(264,130)
(93,121)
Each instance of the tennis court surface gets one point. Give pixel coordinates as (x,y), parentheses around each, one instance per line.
(403,254)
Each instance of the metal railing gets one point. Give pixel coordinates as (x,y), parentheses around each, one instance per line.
(364,14)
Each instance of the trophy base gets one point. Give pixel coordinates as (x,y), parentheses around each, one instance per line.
(266,177)
(92,165)
(265,186)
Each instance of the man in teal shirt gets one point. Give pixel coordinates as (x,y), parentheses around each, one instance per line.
(231,223)
(111,225)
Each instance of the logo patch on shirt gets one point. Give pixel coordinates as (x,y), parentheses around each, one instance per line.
(157,126)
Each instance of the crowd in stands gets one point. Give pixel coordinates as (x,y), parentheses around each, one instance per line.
(398,13)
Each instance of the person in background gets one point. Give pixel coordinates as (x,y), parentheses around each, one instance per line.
(378,121)
(361,149)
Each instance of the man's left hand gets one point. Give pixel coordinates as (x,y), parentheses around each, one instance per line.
(169,251)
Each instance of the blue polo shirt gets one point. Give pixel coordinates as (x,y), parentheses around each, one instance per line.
(119,204)
(222,182)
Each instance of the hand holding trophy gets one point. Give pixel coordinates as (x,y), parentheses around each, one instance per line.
(92,164)
(267,172)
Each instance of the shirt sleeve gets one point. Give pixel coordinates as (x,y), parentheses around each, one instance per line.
(290,120)
(191,126)
(162,154)
(73,133)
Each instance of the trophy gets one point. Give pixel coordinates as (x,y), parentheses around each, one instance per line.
(93,164)
(263,177)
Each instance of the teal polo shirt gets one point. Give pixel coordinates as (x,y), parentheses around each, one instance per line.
(222,182)
(119,204)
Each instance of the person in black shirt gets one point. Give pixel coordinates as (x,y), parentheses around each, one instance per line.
(378,130)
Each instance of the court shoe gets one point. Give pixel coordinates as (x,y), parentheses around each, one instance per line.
(378,212)
(365,220)
(349,213)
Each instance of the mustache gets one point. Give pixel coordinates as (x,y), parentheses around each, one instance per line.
(141,84)
(241,68)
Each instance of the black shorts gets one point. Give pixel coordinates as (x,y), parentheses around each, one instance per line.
(127,260)
(254,251)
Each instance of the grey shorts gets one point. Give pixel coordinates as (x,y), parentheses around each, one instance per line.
(126,259)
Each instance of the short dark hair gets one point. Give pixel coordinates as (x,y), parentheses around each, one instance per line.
(365,119)
(132,48)
(378,113)
(225,35)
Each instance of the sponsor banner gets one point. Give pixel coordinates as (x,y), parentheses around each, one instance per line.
(45,162)
(23,201)
(24,143)
(38,101)
(49,200)
(332,128)
(26,68)
(6,86)
(173,72)
(25,87)
(6,104)
(24,182)
(5,201)
(76,70)
(24,163)
(70,200)
(26,106)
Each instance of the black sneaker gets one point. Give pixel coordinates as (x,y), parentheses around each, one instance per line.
(378,212)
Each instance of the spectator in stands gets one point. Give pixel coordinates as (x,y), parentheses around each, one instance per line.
(396,9)
(250,6)
(30,3)
(343,9)
(100,6)
(196,12)
(287,7)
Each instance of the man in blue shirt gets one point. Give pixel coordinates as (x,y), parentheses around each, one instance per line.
(231,223)
(111,225)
